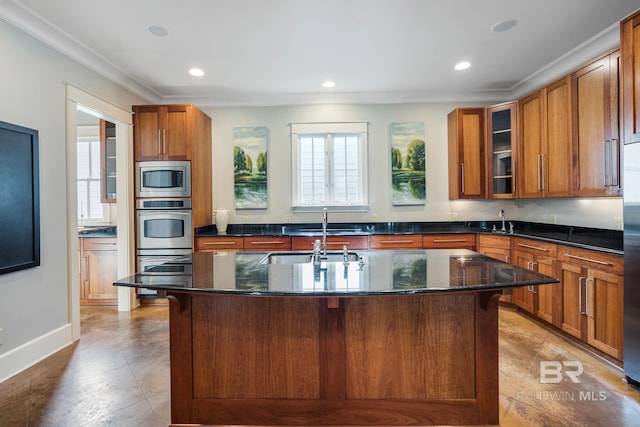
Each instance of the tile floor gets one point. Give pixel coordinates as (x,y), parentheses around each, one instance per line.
(118,375)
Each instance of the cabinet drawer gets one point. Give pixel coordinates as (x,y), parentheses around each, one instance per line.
(267,243)
(403,241)
(99,243)
(535,247)
(592,259)
(334,243)
(493,241)
(451,241)
(219,243)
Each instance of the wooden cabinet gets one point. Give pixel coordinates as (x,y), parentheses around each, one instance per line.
(497,247)
(545,157)
(108,161)
(630,82)
(596,140)
(466,153)
(161,132)
(449,241)
(396,241)
(334,243)
(267,243)
(98,271)
(592,298)
(544,300)
(219,243)
(501,149)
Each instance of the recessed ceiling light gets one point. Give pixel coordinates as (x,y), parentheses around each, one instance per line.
(157,30)
(462,65)
(328,84)
(196,72)
(503,26)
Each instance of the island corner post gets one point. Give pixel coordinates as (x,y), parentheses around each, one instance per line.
(413,359)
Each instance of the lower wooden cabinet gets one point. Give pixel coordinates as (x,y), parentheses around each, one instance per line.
(396,241)
(219,243)
(592,298)
(267,243)
(496,247)
(98,271)
(334,243)
(449,241)
(544,300)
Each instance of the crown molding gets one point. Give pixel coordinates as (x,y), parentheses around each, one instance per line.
(54,37)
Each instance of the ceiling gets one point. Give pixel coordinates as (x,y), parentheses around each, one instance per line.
(278,52)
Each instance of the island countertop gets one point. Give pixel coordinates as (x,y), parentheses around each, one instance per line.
(376,272)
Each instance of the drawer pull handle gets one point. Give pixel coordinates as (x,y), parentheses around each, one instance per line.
(219,243)
(538,248)
(595,261)
(449,240)
(265,242)
(397,241)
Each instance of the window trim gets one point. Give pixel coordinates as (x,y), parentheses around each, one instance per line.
(330,128)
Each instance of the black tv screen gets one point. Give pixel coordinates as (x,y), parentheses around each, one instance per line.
(19,198)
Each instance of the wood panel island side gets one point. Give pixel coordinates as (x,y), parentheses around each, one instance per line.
(399,338)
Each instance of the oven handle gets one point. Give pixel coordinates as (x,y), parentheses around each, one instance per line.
(164,213)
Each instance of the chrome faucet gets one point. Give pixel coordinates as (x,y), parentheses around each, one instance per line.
(502,216)
(325,220)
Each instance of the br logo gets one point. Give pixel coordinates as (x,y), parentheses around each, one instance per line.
(552,372)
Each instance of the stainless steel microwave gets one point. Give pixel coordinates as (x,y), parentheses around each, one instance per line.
(163,179)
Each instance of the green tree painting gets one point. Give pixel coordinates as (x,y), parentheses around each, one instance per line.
(250,167)
(408,163)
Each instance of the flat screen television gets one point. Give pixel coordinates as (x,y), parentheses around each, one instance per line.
(19,198)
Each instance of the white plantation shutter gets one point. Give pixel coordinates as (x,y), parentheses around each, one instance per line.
(90,205)
(329,164)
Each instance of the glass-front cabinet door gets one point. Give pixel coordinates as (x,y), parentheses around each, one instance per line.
(501,145)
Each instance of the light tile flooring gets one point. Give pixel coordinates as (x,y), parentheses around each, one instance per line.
(118,375)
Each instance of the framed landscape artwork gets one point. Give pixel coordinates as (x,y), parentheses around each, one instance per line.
(408,163)
(19,198)
(250,145)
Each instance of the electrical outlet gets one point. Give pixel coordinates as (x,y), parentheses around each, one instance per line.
(454,216)
(1,335)
(617,221)
(375,217)
(286,218)
(449,216)
(245,219)
(554,219)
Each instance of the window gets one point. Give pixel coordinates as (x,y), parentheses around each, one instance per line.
(329,164)
(90,205)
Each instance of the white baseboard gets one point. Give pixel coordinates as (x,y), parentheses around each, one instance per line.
(32,352)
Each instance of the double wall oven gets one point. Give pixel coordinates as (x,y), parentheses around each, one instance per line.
(164,237)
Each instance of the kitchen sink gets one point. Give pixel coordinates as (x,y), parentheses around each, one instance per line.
(306,257)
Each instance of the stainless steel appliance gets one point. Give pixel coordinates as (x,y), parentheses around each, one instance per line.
(163,179)
(164,224)
(631,198)
(157,264)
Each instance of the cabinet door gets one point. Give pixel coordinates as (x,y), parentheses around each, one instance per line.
(546,294)
(99,271)
(108,161)
(530,146)
(466,153)
(523,297)
(596,142)
(557,155)
(449,241)
(630,58)
(219,243)
(604,312)
(501,148)
(573,279)
(161,133)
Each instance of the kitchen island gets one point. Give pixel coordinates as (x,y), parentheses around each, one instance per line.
(373,338)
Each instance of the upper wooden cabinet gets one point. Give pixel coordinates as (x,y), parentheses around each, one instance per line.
(596,140)
(162,132)
(501,148)
(630,60)
(466,153)
(108,161)
(545,146)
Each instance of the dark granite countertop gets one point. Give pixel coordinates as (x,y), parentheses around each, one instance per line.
(381,272)
(603,240)
(97,231)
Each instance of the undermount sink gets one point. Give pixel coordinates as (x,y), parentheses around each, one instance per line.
(306,257)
